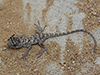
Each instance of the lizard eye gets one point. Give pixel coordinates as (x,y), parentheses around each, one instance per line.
(14,45)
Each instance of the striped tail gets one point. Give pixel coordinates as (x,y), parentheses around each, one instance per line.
(51,35)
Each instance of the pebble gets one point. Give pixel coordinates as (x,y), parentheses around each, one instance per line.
(73,61)
(5,40)
(17,73)
(20,56)
(4,48)
(35,70)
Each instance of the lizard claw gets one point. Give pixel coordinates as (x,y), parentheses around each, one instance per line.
(25,54)
(40,54)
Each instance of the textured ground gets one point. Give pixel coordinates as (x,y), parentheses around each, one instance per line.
(68,55)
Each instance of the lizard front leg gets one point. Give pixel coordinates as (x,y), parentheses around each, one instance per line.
(39,28)
(26,52)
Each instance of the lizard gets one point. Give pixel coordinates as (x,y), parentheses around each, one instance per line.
(39,38)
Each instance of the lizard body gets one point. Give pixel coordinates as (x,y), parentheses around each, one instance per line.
(39,38)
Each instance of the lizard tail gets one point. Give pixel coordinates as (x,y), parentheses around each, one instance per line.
(51,35)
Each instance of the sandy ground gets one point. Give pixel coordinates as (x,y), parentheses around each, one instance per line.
(66,56)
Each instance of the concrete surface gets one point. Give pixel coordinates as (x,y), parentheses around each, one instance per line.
(68,55)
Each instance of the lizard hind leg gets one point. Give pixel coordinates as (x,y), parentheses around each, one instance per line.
(39,28)
(42,51)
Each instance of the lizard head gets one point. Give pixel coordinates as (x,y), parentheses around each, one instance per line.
(14,42)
